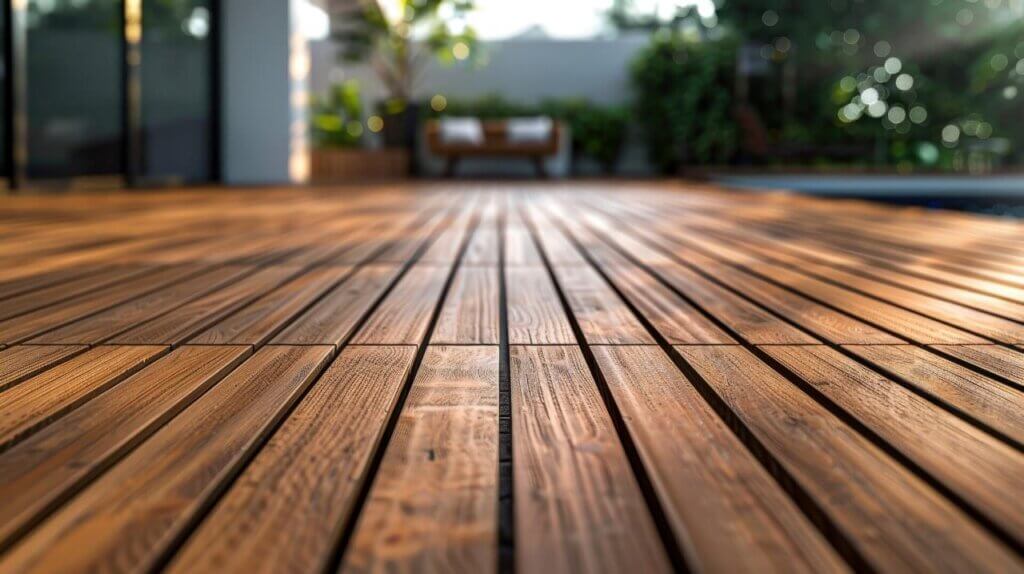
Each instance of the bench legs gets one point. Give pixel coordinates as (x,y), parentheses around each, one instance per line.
(452,162)
(449,166)
(538,165)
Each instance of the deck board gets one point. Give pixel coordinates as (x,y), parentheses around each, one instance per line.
(431,506)
(284,510)
(55,392)
(133,512)
(869,496)
(701,469)
(568,465)
(38,473)
(508,377)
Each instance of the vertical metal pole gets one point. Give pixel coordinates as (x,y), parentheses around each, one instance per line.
(216,47)
(132,96)
(16,63)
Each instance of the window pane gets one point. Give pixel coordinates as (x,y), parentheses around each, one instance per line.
(176,106)
(74,88)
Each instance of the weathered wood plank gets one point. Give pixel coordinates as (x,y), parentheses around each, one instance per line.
(52,394)
(674,318)
(748,320)
(602,316)
(184,322)
(727,512)
(114,321)
(126,519)
(578,507)
(36,474)
(332,319)
(432,506)
(403,317)
(284,511)
(971,463)
(987,400)
(23,362)
(535,315)
(256,323)
(20,328)
(470,314)
(896,521)
(1002,361)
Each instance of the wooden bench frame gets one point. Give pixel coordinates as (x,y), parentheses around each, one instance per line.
(495,144)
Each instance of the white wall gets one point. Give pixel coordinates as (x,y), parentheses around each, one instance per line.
(521,70)
(256,90)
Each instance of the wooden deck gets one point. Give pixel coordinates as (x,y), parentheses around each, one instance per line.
(538,378)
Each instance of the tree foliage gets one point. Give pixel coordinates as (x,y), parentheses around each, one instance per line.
(399,44)
(684,98)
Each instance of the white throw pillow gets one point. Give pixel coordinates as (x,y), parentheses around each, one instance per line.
(462,131)
(529,130)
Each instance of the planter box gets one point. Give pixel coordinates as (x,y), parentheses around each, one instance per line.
(330,165)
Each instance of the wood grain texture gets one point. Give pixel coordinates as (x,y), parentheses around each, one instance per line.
(578,507)
(483,246)
(285,510)
(256,323)
(750,321)
(107,324)
(557,247)
(675,319)
(403,317)
(601,314)
(983,323)
(432,504)
(445,248)
(124,520)
(332,319)
(1007,363)
(184,322)
(36,474)
(520,250)
(827,323)
(535,315)
(211,456)
(987,400)
(893,518)
(470,312)
(39,298)
(978,467)
(917,328)
(728,514)
(48,396)
(20,363)
(23,327)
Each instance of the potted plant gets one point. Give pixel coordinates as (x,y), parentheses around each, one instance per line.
(397,38)
(337,131)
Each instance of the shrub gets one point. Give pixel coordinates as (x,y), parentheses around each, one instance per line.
(684,100)
(336,117)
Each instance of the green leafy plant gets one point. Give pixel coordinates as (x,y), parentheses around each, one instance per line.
(488,107)
(398,37)
(598,132)
(337,116)
(684,100)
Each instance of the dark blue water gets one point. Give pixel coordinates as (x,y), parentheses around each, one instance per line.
(997,206)
(1000,195)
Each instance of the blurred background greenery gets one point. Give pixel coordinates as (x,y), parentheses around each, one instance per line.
(788,85)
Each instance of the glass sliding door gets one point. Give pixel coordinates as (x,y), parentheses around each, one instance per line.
(176,82)
(107,92)
(74,88)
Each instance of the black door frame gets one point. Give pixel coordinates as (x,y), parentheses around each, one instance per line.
(15,32)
